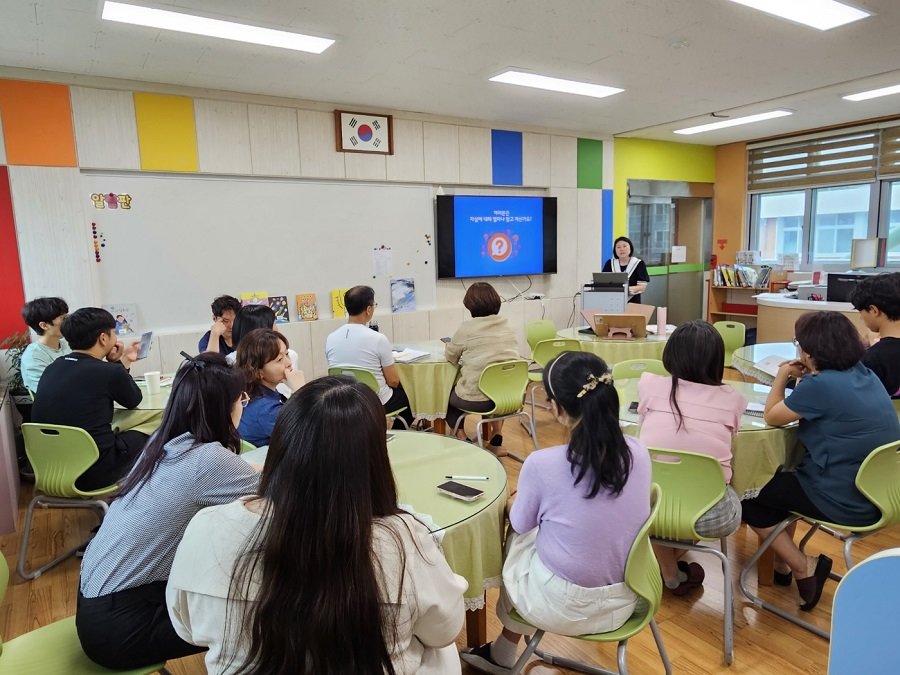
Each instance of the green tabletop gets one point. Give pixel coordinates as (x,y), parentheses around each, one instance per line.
(472,531)
(428,381)
(745,357)
(758,449)
(147,416)
(615,351)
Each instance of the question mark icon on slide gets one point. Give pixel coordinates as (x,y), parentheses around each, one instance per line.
(499,247)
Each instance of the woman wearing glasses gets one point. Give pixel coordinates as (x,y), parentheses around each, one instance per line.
(844,413)
(188,464)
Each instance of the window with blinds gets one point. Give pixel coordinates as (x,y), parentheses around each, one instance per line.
(833,160)
(889,155)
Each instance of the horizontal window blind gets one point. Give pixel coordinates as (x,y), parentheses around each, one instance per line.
(831,160)
(889,156)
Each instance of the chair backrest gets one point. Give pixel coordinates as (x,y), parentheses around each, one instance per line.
(539,330)
(691,484)
(246,447)
(504,383)
(58,455)
(4,583)
(863,636)
(626,370)
(546,350)
(361,374)
(641,568)
(733,335)
(879,480)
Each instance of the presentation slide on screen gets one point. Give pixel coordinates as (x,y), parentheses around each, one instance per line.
(499,236)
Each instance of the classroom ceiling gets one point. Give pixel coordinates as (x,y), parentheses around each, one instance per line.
(678,60)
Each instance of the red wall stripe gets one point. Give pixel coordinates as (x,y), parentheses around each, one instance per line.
(12,293)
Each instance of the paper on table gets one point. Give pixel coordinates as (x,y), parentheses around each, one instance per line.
(755,409)
(408,355)
(770,364)
(669,328)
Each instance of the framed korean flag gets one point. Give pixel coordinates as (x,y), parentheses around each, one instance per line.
(364,132)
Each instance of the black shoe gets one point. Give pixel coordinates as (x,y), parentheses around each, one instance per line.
(497,440)
(480,658)
(811,587)
(783,578)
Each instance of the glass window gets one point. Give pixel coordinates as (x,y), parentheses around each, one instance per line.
(779,223)
(839,215)
(893,231)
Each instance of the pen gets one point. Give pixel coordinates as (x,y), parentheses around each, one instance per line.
(468,477)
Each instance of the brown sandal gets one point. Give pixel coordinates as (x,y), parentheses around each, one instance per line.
(811,587)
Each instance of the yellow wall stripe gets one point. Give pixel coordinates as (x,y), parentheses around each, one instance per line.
(167,135)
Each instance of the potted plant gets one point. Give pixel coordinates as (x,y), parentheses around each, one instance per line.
(15,345)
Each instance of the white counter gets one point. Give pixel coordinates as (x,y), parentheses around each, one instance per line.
(777,314)
(780,300)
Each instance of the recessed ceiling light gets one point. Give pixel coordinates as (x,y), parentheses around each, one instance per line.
(821,14)
(873,93)
(555,84)
(724,124)
(199,25)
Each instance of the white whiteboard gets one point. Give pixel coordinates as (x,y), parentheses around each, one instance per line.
(187,239)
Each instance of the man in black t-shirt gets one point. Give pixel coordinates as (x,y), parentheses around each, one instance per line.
(80,388)
(878,300)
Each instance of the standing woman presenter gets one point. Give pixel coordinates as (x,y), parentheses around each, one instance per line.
(624,261)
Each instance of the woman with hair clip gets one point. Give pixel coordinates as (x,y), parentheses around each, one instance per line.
(322,572)
(190,462)
(262,357)
(576,514)
(691,410)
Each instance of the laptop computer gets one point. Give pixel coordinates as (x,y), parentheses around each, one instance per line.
(609,279)
(616,326)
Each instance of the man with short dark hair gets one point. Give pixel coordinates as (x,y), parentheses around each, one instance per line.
(80,388)
(218,337)
(878,300)
(357,345)
(44,316)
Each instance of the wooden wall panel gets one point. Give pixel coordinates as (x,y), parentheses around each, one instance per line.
(105,129)
(274,140)
(223,136)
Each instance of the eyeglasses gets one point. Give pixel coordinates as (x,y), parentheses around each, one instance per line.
(245,399)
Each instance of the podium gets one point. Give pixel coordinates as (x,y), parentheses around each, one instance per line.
(607,294)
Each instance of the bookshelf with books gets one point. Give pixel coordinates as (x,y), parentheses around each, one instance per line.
(731,291)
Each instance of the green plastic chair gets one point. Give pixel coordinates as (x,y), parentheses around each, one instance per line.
(59,455)
(536,331)
(633,368)
(504,383)
(691,484)
(246,447)
(878,479)
(53,649)
(544,352)
(642,577)
(368,379)
(733,334)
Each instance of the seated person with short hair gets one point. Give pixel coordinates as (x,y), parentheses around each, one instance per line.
(218,337)
(79,390)
(44,316)
(878,300)
(359,346)
(248,319)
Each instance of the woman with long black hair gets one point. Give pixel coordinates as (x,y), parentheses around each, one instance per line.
(189,463)
(321,572)
(577,511)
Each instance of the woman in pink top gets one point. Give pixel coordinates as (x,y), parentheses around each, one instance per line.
(692,410)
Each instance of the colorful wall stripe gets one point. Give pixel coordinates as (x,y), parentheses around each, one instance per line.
(167,135)
(12,293)
(606,241)
(506,157)
(590,163)
(37,123)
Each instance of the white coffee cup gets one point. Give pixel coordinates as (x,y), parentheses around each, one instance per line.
(152,381)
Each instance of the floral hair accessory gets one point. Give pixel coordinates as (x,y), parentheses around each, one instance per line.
(593,381)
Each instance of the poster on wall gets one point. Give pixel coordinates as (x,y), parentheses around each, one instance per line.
(403,295)
(125,316)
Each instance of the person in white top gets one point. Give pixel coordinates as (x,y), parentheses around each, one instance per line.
(624,261)
(44,316)
(322,572)
(357,345)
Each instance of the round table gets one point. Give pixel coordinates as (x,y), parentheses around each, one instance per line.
(472,531)
(744,358)
(758,450)
(614,351)
(427,381)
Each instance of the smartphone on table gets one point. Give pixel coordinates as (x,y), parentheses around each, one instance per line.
(459,491)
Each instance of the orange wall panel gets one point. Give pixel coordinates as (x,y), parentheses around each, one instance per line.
(730,212)
(37,123)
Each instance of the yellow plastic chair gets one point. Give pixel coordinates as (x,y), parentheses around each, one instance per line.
(504,383)
(539,330)
(642,577)
(368,379)
(59,455)
(691,484)
(53,649)
(878,479)
(733,334)
(544,352)
(634,368)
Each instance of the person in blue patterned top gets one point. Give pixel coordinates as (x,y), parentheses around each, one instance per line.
(191,462)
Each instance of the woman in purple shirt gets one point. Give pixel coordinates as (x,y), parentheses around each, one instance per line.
(578,509)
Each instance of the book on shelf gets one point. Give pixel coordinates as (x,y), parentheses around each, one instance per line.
(742,276)
(279,305)
(307,309)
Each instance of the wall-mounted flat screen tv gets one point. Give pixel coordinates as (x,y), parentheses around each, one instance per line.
(495,236)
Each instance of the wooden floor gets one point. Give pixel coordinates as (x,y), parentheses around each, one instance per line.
(691,626)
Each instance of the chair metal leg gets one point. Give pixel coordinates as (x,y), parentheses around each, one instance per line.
(530,646)
(758,601)
(661,647)
(554,660)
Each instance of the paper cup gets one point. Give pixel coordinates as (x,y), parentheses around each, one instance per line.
(152,381)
